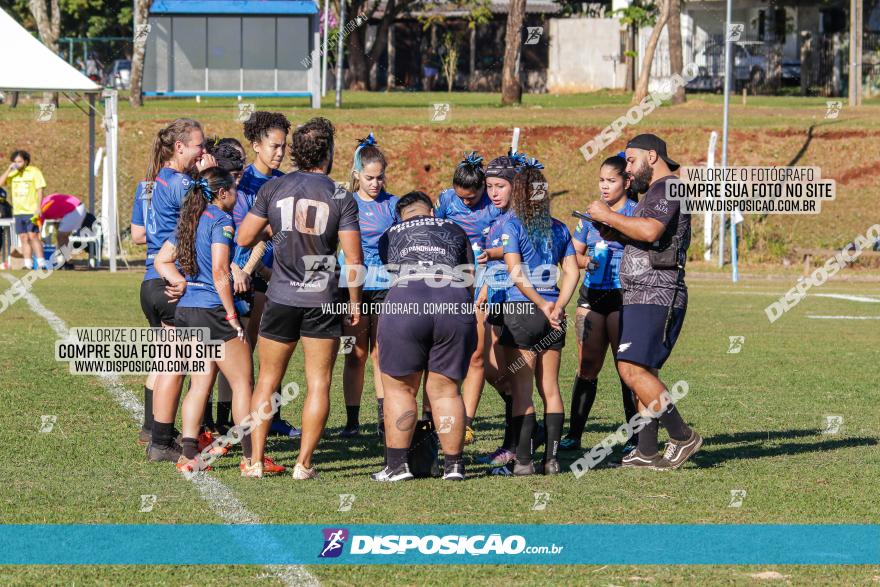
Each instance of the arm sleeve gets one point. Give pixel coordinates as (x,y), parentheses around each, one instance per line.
(659,208)
(222,232)
(510,237)
(261,202)
(440,206)
(580,231)
(569,243)
(137,208)
(39,180)
(383,248)
(241,208)
(348,219)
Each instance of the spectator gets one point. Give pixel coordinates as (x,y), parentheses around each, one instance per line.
(70,213)
(27,184)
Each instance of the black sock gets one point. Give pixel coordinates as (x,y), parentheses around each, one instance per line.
(524,444)
(352,416)
(163,433)
(629,406)
(380,412)
(208,414)
(648,438)
(583,394)
(553,423)
(450,460)
(246,446)
(224,413)
(396,457)
(148,408)
(276,417)
(675,426)
(509,439)
(190,448)
(468,420)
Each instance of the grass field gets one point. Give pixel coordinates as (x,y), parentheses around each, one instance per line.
(761,412)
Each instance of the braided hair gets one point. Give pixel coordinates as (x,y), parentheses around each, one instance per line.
(204,190)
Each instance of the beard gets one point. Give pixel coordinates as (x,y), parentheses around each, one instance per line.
(641,179)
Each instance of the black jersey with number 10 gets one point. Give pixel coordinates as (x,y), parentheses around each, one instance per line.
(306,212)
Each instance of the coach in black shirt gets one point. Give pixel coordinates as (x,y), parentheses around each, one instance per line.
(427,324)
(308,218)
(654,297)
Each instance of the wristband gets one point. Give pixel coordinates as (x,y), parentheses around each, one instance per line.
(230,317)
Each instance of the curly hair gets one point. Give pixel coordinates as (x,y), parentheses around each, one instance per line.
(312,143)
(228,152)
(191,210)
(258,125)
(533,213)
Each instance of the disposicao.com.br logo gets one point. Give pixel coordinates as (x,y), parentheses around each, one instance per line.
(454,544)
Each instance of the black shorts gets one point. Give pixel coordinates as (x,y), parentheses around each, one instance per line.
(288,323)
(24,225)
(642,338)
(155,304)
(526,327)
(417,341)
(260,284)
(371,300)
(214,319)
(601,301)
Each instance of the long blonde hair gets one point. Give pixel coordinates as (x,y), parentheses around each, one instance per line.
(163,144)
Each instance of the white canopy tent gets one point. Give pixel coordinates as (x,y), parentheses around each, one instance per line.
(37,69)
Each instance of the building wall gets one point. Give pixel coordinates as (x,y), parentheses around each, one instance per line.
(227,54)
(583,53)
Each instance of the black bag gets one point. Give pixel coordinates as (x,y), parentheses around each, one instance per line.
(88,222)
(5,207)
(664,254)
(422,454)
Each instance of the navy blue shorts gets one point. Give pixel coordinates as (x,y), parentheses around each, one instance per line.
(411,342)
(24,225)
(642,338)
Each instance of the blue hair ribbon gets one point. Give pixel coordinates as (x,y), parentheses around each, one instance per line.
(519,158)
(207,192)
(471,159)
(369,141)
(533,164)
(622,155)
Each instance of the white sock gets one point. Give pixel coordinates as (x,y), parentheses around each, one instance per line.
(41,263)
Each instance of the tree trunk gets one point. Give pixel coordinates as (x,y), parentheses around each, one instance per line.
(511,87)
(136,97)
(48,26)
(630,51)
(357,62)
(676,56)
(648,57)
(392,55)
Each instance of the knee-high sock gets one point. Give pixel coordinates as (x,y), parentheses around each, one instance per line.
(583,394)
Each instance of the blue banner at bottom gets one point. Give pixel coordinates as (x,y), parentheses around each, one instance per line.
(596,544)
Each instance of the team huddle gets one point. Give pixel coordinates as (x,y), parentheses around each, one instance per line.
(267,261)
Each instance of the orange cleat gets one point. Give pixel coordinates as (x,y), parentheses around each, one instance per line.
(206,439)
(269,466)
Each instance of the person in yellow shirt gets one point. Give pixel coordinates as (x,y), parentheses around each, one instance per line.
(26,188)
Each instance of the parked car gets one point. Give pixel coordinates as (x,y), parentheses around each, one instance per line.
(749,67)
(119,75)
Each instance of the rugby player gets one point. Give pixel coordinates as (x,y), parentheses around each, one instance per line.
(599,302)
(467,204)
(654,298)
(177,150)
(202,248)
(533,334)
(433,259)
(312,218)
(376,212)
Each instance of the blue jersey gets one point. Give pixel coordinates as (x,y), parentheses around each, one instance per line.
(215,227)
(246,192)
(474,220)
(603,271)
(376,215)
(158,213)
(496,276)
(542,259)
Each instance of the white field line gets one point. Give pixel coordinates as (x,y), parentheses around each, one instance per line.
(845,317)
(848,297)
(218,496)
(840,296)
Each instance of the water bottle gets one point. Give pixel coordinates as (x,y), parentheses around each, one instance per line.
(478,271)
(598,263)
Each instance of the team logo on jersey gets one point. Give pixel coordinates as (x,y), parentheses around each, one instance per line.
(334,540)
(228,231)
(580,226)
(504,239)
(185,181)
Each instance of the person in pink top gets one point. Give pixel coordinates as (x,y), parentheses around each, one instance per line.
(67,209)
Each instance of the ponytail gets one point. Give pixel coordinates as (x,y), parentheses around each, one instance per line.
(163,145)
(203,191)
(469,173)
(366,153)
